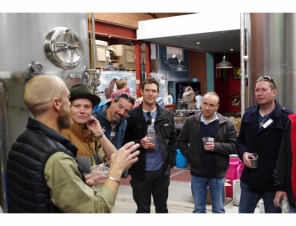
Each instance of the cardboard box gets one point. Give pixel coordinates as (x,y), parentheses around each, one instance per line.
(125,56)
(209,201)
(102,58)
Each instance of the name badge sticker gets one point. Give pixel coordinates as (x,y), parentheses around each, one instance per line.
(267,123)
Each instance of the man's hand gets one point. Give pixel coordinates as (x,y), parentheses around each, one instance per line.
(246,160)
(146,142)
(94,126)
(209,146)
(125,157)
(98,179)
(279,195)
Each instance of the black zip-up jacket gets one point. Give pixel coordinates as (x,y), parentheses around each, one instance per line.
(166,134)
(282,173)
(26,184)
(225,137)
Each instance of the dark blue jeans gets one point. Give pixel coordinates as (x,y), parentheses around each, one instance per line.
(199,191)
(250,197)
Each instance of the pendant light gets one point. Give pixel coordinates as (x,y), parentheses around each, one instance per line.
(110,67)
(224,64)
(179,67)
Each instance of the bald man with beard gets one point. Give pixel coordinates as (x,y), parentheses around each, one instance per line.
(42,171)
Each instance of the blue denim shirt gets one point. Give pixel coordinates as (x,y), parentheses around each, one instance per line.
(100,114)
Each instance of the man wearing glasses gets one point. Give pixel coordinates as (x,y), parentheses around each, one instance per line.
(112,117)
(209,160)
(152,173)
(261,132)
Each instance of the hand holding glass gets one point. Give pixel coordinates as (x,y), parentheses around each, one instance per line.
(207,139)
(253,158)
(99,175)
(152,138)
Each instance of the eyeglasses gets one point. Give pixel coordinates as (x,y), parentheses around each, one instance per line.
(266,78)
(149,119)
(125,96)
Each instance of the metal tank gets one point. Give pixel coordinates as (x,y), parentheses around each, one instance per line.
(32,44)
(271,51)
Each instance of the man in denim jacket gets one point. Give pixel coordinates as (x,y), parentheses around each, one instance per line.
(114,114)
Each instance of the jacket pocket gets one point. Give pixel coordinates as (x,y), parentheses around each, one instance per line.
(165,130)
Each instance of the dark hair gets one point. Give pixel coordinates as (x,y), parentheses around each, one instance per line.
(198,92)
(125,96)
(150,80)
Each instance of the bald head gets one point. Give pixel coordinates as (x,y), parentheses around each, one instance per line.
(213,94)
(40,91)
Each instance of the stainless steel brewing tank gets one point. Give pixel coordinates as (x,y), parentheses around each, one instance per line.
(23,55)
(271,51)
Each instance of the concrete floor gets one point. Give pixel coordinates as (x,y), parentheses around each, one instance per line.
(180,198)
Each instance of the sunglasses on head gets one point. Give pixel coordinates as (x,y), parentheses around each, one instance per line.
(149,118)
(127,97)
(266,78)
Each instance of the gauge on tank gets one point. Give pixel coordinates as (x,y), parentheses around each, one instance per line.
(63,47)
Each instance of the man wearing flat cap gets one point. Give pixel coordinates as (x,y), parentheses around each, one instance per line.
(82,103)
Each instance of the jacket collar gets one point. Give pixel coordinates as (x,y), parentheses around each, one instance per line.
(52,134)
(277,111)
(160,112)
(197,117)
(83,134)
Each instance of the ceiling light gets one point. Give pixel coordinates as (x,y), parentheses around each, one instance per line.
(179,67)
(197,43)
(224,64)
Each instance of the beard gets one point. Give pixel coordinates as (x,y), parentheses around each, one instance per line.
(64,120)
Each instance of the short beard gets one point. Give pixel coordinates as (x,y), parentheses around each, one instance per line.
(64,120)
(114,119)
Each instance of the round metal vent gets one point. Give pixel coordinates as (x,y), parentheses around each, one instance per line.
(63,47)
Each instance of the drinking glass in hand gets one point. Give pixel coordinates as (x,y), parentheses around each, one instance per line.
(152,139)
(99,175)
(207,139)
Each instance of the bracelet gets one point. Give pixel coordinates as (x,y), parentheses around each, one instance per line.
(112,178)
(100,135)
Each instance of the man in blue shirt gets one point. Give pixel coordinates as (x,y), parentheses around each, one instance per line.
(152,173)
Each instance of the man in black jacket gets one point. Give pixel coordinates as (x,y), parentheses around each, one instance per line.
(209,162)
(150,175)
(285,173)
(261,132)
